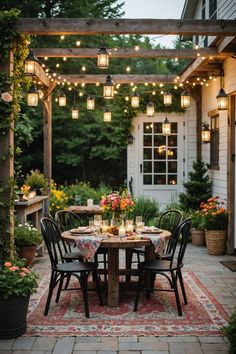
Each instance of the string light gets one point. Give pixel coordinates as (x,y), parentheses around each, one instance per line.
(83,68)
(128,68)
(78,43)
(62,37)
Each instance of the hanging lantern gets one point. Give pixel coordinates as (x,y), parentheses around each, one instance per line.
(166,127)
(107,115)
(130,139)
(90,103)
(167,97)
(75,113)
(102,58)
(150,109)
(222,99)
(206,133)
(135,100)
(108,88)
(185,99)
(30,63)
(62,99)
(32,96)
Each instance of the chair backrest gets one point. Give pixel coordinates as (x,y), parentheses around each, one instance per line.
(170,221)
(66,220)
(181,238)
(52,238)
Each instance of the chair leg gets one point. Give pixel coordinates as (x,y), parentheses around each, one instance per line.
(175,287)
(59,288)
(138,291)
(105,266)
(67,282)
(182,286)
(95,277)
(84,287)
(50,291)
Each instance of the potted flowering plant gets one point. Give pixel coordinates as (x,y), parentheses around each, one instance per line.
(118,204)
(197,230)
(216,220)
(36,181)
(27,238)
(16,284)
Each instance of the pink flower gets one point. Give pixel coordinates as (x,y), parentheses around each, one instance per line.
(26,270)
(22,274)
(13,268)
(7,264)
(6,97)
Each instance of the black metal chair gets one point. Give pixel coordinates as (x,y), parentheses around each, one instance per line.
(169,220)
(62,270)
(67,220)
(171,269)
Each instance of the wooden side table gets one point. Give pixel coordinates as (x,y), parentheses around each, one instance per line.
(34,209)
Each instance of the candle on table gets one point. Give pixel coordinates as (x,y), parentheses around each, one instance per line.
(122,231)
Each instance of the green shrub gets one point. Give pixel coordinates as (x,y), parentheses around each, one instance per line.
(145,207)
(36,180)
(27,235)
(197,220)
(230,332)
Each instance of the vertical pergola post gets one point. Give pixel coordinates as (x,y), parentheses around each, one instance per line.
(197,95)
(6,177)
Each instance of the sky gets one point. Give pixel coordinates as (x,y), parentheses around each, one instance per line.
(169,9)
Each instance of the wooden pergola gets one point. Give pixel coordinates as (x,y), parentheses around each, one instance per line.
(204,60)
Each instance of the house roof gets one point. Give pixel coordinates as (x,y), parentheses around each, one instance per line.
(189,9)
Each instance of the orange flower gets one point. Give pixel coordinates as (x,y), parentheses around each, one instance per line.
(26,270)
(13,268)
(7,264)
(22,274)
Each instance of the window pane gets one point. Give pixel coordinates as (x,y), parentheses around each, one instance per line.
(172,166)
(147,127)
(172,140)
(147,166)
(159,167)
(158,128)
(147,179)
(159,140)
(147,140)
(174,128)
(160,153)
(147,154)
(172,179)
(172,154)
(159,179)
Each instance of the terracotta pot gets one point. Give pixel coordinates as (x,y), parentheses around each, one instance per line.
(27,252)
(215,240)
(198,237)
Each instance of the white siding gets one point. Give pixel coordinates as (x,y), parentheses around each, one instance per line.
(226,9)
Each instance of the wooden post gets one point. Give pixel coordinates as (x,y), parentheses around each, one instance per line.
(47,138)
(231,175)
(197,95)
(6,178)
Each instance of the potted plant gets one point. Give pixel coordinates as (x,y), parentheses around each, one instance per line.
(16,284)
(27,238)
(198,228)
(216,220)
(36,181)
(230,332)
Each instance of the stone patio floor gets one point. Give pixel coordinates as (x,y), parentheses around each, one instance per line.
(219,280)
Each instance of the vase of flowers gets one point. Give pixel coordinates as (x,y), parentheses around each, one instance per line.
(117,204)
(16,284)
(216,220)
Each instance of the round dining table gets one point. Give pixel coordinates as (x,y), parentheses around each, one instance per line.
(113,244)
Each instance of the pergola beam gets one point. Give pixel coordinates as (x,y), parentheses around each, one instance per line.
(118,79)
(124,53)
(92,26)
(41,75)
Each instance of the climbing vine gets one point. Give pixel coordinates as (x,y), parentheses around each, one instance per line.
(11,93)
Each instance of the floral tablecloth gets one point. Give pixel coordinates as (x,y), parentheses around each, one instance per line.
(158,242)
(88,245)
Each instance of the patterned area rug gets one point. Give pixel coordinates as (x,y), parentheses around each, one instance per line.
(203,316)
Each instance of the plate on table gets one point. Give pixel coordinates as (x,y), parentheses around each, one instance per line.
(81,231)
(151,230)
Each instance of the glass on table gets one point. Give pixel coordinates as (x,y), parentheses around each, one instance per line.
(129,226)
(97,220)
(104,225)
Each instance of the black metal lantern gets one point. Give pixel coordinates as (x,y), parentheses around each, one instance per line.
(108,88)
(167,97)
(135,100)
(30,64)
(32,96)
(185,99)
(166,127)
(206,133)
(102,58)
(222,99)
(130,139)
(150,109)
(62,99)
(75,113)
(107,115)
(90,103)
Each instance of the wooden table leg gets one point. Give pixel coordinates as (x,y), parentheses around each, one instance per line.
(149,256)
(113,277)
